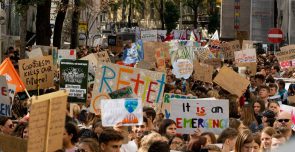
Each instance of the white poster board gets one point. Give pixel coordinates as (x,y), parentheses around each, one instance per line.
(150,36)
(5,103)
(125,111)
(34,53)
(207,115)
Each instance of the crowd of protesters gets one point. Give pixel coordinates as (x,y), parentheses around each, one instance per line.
(256,121)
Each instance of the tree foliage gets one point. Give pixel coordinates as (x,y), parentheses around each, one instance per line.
(171,16)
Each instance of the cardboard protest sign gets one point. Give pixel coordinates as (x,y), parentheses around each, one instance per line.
(5,103)
(10,143)
(248,55)
(229,48)
(37,72)
(150,49)
(147,85)
(125,111)
(203,53)
(122,93)
(103,56)
(182,68)
(251,66)
(286,56)
(231,81)
(207,115)
(216,63)
(92,66)
(67,54)
(74,78)
(166,104)
(34,53)
(247,44)
(150,36)
(134,53)
(145,65)
(47,122)
(203,72)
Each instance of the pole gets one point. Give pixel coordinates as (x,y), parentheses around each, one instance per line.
(180,19)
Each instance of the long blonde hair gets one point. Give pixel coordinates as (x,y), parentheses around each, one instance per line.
(243,138)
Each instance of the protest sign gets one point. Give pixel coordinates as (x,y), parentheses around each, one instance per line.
(248,55)
(251,66)
(161,35)
(203,72)
(145,65)
(216,63)
(92,66)
(286,57)
(34,53)
(47,122)
(134,53)
(125,111)
(229,48)
(182,68)
(231,81)
(112,40)
(150,49)
(203,53)
(46,50)
(66,54)
(11,90)
(147,85)
(95,102)
(181,50)
(122,93)
(5,103)
(37,73)
(207,115)
(103,56)
(166,104)
(10,143)
(247,45)
(150,36)
(74,78)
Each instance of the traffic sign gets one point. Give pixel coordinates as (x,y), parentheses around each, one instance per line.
(275,35)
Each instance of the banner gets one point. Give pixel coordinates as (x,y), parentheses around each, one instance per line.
(5,103)
(34,53)
(166,104)
(47,122)
(74,78)
(67,54)
(11,91)
(286,57)
(37,72)
(207,115)
(12,77)
(231,81)
(203,72)
(125,111)
(229,48)
(147,85)
(245,56)
(150,36)
(182,68)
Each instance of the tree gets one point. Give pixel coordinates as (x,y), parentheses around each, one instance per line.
(171,16)
(194,5)
(62,9)
(159,4)
(43,29)
(75,25)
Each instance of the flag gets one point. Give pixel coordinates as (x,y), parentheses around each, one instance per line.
(192,37)
(12,77)
(215,36)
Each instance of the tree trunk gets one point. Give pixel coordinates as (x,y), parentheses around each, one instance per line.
(162,15)
(43,30)
(59,23)
(196,18)
(75,25)
(23,32)
(124,10)
(129,13)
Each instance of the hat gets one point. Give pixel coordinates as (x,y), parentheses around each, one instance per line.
(268,114)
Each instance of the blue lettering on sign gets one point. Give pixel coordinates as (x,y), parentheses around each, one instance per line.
(4,109)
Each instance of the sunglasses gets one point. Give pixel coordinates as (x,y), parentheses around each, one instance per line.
(80,150)
(283,120)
